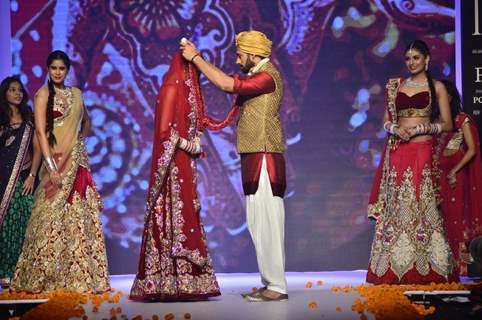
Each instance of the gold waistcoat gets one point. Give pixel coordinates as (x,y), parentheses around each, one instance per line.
(259,126)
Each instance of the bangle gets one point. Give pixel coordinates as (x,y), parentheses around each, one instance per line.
(32,175)
(196,55)
(438,128)
(390,127)
(452,178)
(428,128)
(50,164)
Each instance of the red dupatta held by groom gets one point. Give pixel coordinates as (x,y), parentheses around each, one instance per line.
(174,260)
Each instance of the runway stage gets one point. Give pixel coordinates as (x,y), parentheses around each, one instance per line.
(230,305)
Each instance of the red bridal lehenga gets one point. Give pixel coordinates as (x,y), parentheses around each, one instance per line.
(410,244)
(64,244)
(462,203)
(174,261)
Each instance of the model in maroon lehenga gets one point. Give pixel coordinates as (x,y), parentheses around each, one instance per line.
(410,244)
(174,262)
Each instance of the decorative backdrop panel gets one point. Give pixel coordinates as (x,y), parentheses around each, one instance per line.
(335,57)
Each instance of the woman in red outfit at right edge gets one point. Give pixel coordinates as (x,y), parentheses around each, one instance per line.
(410,244)
(458,153)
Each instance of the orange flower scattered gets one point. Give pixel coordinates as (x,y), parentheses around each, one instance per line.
(358,306)
(389,302)
(187,315)
(346,288)
(319,283)
(156,317)
(113,312)
(338,309)
(138,317)
(254,289)
(169,316)
(309,285)
(335,289)
(64,304)
(312,305)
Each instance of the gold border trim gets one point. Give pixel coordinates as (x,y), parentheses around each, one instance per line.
(23,150)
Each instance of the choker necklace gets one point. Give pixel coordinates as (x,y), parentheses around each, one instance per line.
(412,84)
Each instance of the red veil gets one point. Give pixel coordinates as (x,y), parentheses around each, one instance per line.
(174,261)
(168,101)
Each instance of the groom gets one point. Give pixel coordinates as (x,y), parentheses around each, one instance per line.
(260,142)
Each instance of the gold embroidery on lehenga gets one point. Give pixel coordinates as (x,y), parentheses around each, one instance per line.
(375,209)
(419,240)
(64,244)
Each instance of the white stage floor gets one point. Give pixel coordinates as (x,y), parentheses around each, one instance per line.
(230,305)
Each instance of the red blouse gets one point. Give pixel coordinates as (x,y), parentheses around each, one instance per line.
(417,101)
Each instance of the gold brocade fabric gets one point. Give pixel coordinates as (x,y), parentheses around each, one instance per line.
(64,244)
(259,127)
(410,232)
(457,139)
(414,112)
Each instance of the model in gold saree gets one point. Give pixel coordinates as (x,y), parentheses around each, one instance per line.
(64,245)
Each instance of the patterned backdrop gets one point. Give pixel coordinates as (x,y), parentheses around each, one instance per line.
(335,57)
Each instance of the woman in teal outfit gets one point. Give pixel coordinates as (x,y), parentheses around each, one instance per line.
(19,161)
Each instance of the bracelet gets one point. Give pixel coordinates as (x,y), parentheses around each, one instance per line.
(196,55)
(50,164)
(438,128)
(32,175)
(428,128)
(185,145)
(452,178)
(390,127)
(189,146)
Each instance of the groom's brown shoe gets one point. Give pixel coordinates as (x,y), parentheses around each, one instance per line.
(266,296)
(255,291)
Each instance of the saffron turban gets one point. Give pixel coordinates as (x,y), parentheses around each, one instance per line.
(254,42)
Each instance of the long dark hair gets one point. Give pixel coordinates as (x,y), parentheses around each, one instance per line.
(5,111)
(455,101)
(54,55)
(422,47)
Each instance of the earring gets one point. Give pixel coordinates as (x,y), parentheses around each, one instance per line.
(426,67)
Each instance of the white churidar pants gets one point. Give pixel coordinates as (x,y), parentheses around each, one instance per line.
(265,215)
